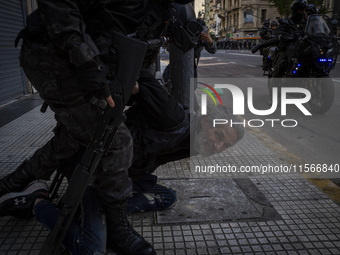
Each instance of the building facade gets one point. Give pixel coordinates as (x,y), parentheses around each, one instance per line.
(199,7)
(13,82)
(242,19)
(235,19)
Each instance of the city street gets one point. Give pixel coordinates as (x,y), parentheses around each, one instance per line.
(243,170)
(316,138)
(216,212)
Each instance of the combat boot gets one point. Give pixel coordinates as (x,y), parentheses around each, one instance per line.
(16,181)
(121,237)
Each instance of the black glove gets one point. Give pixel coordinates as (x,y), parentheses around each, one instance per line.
(91,76)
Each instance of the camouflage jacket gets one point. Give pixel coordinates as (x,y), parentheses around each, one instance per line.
(72,26)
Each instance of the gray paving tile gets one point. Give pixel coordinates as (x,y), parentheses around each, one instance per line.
(310,222)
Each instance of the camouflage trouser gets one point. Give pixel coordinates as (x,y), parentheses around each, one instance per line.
(76,117)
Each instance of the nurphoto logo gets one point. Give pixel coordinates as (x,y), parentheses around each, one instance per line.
(239,104)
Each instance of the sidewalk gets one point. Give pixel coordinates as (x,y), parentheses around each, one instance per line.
(214,214)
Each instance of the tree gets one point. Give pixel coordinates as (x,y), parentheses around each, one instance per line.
(283,6)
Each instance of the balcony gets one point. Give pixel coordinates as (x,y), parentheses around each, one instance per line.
(221,13)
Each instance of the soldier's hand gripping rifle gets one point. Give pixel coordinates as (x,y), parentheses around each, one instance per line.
(130,55)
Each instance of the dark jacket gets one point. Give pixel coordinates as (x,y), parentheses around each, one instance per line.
(73,26)
(289,30)
(159,126)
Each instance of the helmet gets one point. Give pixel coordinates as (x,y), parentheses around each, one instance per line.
(297,5)
(185,30)
(312,9)
(266,23)
(274,23)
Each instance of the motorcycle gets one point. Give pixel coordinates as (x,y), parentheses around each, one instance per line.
(269,55)
(268,52)
(312,56)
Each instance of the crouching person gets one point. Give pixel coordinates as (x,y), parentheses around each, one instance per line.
(163,131)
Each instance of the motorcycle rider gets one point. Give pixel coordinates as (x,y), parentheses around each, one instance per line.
(273,26)
(288,31)
(264,30)
(270,34)
(265,35)
(63,55)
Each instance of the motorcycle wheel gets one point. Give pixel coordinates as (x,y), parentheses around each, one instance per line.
(322,90)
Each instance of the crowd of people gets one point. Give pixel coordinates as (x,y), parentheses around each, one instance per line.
(233,44)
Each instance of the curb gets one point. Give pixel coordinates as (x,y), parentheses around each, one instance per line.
(325,185)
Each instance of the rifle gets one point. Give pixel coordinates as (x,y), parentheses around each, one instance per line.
(130,55)
(265,44)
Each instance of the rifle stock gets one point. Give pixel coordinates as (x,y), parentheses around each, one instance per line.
(130,56)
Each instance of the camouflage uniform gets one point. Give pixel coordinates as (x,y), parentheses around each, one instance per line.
(50,61)
(60,57)
(76,121)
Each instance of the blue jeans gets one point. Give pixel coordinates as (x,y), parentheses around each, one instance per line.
(85,237)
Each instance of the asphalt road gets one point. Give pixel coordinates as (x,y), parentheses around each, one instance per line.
(316,138)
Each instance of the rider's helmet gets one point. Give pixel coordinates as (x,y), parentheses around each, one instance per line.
(312,9)
(273,25)
(266,23)
(298,8)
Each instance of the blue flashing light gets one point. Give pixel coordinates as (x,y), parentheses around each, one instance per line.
(294,71)
(298,65)
(323,60)
(330,60)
